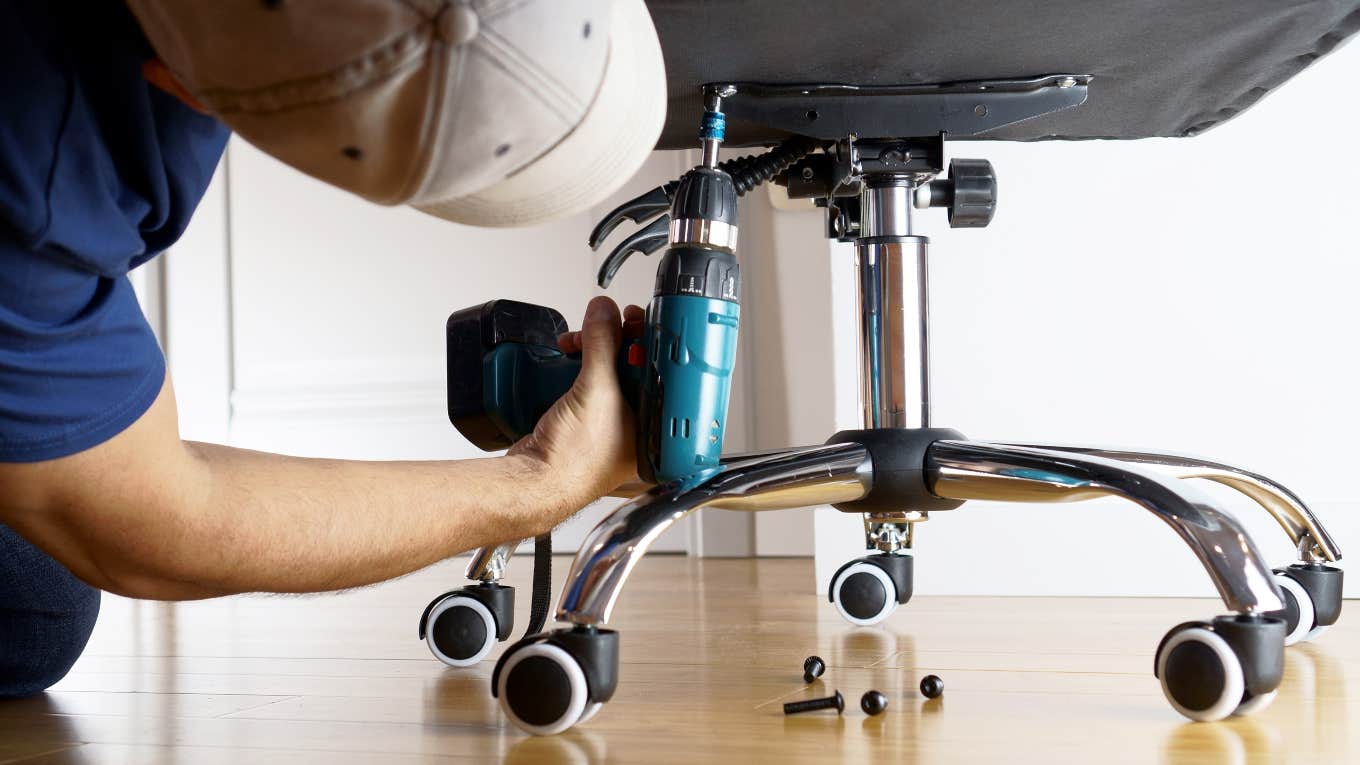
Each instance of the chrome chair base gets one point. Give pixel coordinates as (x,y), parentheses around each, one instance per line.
(1246,643)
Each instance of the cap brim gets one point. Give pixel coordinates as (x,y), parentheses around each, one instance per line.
(591,162)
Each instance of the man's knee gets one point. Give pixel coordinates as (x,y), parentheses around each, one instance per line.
(46,617)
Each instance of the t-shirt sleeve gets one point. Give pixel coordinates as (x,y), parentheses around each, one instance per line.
(78,360)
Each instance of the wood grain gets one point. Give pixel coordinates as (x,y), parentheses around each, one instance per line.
(711,649)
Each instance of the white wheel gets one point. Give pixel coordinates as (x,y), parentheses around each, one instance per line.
(1255,704)
(1316,632)
(542,689)
(1200,674)
(1304,604)
(864,594)
(460,631)
(592,709)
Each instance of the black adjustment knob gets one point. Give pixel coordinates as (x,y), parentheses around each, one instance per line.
(973,201)
(968,194)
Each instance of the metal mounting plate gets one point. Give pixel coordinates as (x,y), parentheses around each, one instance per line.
(832,112)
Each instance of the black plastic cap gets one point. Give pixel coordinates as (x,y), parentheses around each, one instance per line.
(873,703)
(932,686)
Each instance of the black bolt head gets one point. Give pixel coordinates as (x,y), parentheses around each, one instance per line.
(840,702)
(932,686)
(873,702)
(813,667)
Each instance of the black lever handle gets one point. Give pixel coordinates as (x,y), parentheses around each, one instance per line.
(646,241)
(638,210)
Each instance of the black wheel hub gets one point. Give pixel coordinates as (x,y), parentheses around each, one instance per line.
(459,632)
(538,690)
(863,595)
(1194,675)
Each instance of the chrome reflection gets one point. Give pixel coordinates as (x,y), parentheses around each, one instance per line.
(799,478)
(1312,540)
(966,470)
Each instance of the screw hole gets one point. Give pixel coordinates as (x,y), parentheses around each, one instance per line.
(585,31)
(502,149)
(812,115)
(352,152)
(271,5)
(980,110)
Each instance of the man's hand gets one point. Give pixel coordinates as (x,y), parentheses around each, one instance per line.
(585,441)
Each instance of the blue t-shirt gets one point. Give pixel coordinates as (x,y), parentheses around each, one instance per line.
(99,172)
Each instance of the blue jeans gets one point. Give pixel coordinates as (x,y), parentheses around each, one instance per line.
(46,616)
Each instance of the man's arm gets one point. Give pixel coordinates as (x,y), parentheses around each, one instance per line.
(148,515)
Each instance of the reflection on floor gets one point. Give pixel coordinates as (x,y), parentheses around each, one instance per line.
(711,649)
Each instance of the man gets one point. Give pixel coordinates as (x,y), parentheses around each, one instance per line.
(112,120)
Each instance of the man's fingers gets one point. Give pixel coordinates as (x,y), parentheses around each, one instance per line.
(569,342)
(633,320)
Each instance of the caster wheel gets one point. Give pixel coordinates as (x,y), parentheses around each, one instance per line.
(865,593)
(1255,704)
(542,689)
(592,709)
(1201,675)
(461,631)
(1312,595)
(1232,666)
(1299,617)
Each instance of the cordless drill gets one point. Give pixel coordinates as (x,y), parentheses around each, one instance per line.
(505,370)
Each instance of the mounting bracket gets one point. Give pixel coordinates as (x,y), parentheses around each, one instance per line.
(833,112)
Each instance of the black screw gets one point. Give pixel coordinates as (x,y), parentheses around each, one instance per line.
(836,702)
(873,702)
(813,667)
(932,686)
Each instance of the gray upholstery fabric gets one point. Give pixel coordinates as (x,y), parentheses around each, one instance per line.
(1161,67)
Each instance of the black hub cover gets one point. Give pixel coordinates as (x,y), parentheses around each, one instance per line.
(538,690)
(1194,675)
(459,632)
(863,595)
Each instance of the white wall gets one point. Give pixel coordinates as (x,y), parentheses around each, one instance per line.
(300,319)
(1195,295)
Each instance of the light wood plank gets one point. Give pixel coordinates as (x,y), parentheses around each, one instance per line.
(710,651)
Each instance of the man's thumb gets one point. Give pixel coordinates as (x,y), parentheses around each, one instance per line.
(601,333)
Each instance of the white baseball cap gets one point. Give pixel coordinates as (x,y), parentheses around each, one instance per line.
(486,112)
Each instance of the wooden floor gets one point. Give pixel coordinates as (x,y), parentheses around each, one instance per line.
(710,651)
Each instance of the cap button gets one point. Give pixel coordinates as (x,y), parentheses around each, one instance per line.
(457,24)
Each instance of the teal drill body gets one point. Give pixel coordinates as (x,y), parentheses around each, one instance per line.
(505,370)
(691,347)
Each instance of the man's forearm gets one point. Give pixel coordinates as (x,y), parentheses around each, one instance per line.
(151,516)
(287,524)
